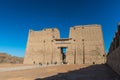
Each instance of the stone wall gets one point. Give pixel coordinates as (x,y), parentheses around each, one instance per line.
(113,60)
(88,43)
(40,47)
(113,57)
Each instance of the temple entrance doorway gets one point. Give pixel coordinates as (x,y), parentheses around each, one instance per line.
(63,52)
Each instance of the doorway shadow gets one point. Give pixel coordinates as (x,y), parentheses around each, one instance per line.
(93,72)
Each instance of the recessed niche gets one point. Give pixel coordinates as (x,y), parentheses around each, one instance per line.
(53,36)
(74,28)
(44,41)
(52,29)
(51,40)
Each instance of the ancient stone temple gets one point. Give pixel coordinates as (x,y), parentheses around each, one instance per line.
(84,46)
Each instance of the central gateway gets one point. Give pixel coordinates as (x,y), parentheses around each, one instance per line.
(63,45)
(84,46)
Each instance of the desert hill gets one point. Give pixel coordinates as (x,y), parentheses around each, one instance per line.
(6,58)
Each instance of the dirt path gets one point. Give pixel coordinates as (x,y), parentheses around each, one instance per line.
(21,67)
(61,72)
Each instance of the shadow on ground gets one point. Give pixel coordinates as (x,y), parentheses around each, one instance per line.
(94,72)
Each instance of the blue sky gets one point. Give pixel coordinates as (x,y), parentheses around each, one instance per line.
(18,16)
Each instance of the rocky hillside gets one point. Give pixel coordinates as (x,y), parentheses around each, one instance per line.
(6,58)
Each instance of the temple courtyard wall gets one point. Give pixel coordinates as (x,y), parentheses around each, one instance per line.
(113,56)
(113,60)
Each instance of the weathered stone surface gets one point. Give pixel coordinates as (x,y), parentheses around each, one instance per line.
(84,46)
(113,57)
(113,60)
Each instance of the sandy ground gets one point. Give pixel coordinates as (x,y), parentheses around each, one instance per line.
(60,72)
(11,65)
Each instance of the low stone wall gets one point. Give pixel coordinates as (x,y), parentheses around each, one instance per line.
(113,60)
